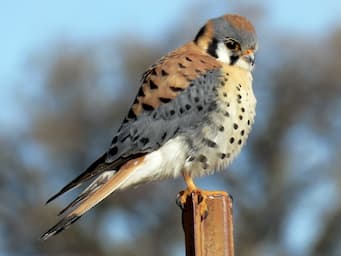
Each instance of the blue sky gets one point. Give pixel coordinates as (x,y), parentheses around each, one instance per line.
(27,26)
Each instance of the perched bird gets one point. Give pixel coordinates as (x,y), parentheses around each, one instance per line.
(191,116)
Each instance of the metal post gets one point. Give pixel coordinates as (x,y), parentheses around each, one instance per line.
(213,235)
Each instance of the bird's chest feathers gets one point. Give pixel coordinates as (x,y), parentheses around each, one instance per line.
(228,127)
(236,108)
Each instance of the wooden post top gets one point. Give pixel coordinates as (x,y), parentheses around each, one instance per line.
(211,235)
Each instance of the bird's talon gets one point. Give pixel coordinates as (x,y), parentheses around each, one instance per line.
(181,199)
(202,204)
(204,214)
(200,198)
(182,196)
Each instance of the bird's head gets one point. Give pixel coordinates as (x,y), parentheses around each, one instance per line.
(230,39)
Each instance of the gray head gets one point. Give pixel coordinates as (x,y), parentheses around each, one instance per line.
(231,39)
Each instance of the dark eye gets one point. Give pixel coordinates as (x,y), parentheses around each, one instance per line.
(232,45)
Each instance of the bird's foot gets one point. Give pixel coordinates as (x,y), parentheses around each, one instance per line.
(200,196)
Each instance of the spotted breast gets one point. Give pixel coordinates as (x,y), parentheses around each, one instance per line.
(220,139)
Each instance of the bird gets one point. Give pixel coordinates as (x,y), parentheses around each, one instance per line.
(192,114)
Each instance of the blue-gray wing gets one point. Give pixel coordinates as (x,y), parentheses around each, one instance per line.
(154,127)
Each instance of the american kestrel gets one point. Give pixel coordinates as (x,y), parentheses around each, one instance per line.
(191,116)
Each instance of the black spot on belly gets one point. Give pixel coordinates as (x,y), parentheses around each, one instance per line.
(210,143)
(212,106)
(223,155)
(227,114)
(231,140)
(202,158)
(235,126)
(191,159)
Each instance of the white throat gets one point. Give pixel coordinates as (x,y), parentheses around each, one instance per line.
(242,63)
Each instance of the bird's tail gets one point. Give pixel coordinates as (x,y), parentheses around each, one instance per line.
(99,189)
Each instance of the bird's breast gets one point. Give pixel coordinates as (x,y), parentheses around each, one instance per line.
(222,136)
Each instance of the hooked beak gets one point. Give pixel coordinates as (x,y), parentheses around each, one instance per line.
(249,56)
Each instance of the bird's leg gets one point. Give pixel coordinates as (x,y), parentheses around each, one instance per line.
(192,188)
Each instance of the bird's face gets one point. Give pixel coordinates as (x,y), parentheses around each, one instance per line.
(231,39)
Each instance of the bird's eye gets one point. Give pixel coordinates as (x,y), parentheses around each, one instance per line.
(232,45)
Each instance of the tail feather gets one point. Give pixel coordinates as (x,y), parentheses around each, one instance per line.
(102,187)
(110,186)
(96,184)
(93,170)
(60,226)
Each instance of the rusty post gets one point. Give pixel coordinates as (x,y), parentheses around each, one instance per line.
(213,235)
